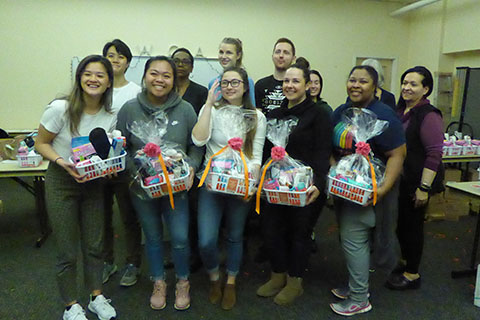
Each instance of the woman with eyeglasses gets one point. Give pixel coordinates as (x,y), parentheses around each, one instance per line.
(159,94)
(235,88)
(230,54)
(189,90)
(287,233)
(196,94)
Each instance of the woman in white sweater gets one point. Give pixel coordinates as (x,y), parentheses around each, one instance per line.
(212,206)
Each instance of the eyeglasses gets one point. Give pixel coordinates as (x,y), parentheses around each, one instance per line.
(234,83)
(185,62)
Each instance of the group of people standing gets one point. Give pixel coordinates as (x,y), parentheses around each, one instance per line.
(101,97)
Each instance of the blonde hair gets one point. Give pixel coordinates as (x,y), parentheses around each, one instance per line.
(238,48)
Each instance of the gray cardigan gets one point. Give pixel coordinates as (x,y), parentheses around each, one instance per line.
(181,119)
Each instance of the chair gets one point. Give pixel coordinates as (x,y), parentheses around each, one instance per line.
(455,125)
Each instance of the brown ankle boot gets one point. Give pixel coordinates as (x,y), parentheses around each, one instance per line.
(215,292)
(292,290)
(229,297)
(273,286)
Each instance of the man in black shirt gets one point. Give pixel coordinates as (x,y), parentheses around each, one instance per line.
(268,90)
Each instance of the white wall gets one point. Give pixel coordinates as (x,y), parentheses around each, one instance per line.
(39,38)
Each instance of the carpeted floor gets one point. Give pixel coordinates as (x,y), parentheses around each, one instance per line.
(28,289)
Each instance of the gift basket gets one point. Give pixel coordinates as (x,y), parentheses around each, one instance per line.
(98,154)
(452,146)
(27,157)
(161,167)
(284,180)
(356,176)
(227,171)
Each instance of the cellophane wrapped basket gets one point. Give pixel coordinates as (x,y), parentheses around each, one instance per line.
(227,170)
(356,176)
(284,180)
(162,168)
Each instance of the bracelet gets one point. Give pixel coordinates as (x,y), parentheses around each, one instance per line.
(425,188)
(58,158)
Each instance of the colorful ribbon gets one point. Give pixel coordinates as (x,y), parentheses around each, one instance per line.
(167,180)
(260,185)
(153,150)
(363,149)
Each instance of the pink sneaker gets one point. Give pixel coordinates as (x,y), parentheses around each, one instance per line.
(158,300)
(182,295)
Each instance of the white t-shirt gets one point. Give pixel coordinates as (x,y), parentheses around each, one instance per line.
(216,139)
(55,120)
(123,94)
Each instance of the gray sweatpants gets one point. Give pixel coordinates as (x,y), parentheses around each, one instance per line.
(356,223)
(76,216)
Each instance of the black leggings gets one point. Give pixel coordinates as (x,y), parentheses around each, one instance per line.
(287,238)
(410,230)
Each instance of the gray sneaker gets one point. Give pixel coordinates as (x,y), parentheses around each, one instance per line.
(108,271)
(349,307)
(130,276)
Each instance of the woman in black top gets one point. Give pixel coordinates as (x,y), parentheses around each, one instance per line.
(287,228)
(316,86)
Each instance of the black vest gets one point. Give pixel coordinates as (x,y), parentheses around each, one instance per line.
(416,154)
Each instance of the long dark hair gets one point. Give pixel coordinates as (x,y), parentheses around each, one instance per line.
(247,104)
(427,81)
(76,103)
(321,81)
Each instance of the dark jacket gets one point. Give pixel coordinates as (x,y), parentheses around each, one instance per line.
(311,140)
(416,153)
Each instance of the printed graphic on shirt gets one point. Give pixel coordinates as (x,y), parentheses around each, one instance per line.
(272,99)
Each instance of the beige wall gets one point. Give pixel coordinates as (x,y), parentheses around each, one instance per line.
(444,36)
(39,39)
(461,26)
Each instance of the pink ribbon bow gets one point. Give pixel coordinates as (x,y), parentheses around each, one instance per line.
(152,150)
(278,153)
(236,143)
(363,148)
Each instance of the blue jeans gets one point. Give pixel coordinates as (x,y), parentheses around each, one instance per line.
(211,207)
(150,213)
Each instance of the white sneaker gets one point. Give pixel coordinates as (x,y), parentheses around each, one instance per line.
(75,312)
(102,308)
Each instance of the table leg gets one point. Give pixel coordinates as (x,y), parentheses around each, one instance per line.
(42,215)
(473,270)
